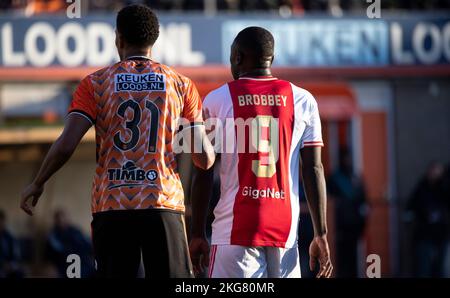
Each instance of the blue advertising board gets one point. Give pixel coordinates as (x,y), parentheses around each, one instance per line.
(329,43)
(196,40)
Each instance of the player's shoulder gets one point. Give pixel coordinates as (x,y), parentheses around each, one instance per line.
(107,70)
(303,96)
(300,92)
(100,75)
(170,72)
(220,91)
(217,95)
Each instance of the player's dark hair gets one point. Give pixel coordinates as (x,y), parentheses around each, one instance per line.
(257,41)
(138,25)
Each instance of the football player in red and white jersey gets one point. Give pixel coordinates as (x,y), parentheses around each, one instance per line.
(254,233)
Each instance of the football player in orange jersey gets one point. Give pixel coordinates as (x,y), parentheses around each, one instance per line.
(137,197)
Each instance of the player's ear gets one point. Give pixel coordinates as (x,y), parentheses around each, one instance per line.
(116,41)
(119,42)
(239,58)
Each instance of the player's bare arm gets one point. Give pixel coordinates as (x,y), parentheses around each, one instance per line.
(315,190)
(201,190)
(59,153)
(199,140)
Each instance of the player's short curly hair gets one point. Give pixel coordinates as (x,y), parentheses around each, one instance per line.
(138,25)
(258,41)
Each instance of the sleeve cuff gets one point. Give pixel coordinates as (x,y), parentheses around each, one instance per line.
(313,144)
(192,124)
(84,114)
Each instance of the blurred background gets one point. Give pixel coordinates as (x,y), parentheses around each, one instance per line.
(380,71)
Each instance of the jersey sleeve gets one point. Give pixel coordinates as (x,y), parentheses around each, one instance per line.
(83,101)
(215,101)
(208,106)
(192,110)
(312,136)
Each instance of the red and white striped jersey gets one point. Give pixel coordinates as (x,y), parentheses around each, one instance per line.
(259,201)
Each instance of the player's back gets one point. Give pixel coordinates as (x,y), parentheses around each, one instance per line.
(273,119)
(136,106)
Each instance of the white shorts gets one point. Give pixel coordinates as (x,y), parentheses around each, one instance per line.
(234,261)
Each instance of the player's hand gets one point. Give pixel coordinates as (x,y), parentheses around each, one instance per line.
(206,114)
(30,197)
(199,251)
(208,128)
(319,251)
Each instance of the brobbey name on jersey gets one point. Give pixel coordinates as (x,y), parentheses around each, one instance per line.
(262,100)
(248,191)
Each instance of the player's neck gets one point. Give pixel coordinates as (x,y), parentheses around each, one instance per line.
(133,52)
(258,72)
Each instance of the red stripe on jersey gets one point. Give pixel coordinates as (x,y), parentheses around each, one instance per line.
(212,260)
(265,133)
(262,208)
(264,158)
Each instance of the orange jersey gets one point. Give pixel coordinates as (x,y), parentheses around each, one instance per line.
(136,106)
